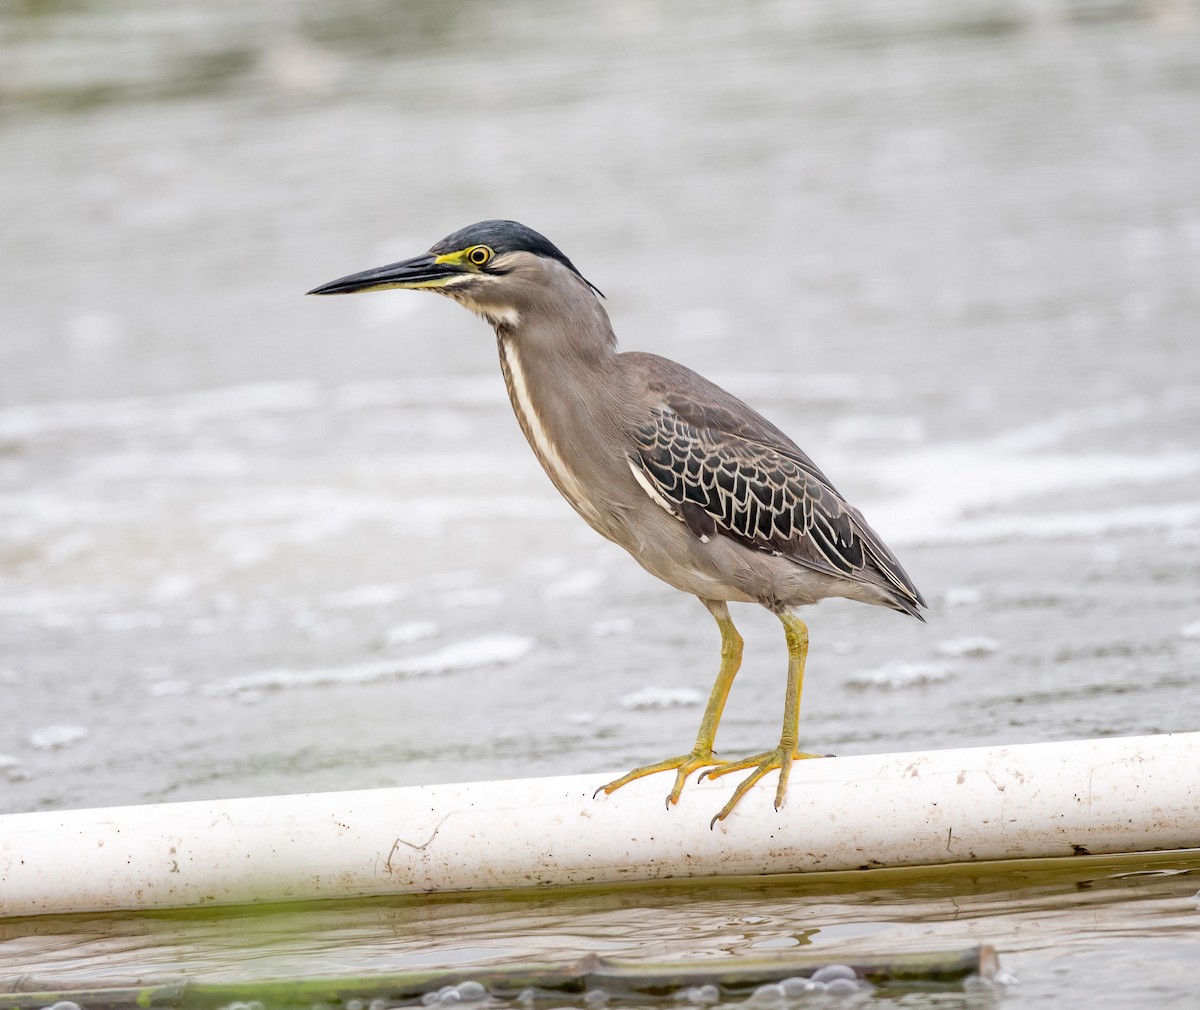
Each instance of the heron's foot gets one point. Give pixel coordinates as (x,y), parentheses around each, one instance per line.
(780,758)
(683,766)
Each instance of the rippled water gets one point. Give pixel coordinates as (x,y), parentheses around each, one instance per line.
(253,543)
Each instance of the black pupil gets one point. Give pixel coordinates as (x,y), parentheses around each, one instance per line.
(479,256)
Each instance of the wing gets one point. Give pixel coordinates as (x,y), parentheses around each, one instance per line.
(729,472)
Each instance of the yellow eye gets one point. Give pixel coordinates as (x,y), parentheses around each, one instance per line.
(479,255)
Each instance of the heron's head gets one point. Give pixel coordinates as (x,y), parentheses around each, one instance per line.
(498,269)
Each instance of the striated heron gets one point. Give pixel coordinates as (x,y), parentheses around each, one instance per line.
(702,490)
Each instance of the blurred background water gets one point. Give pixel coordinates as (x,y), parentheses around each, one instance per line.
(255,543)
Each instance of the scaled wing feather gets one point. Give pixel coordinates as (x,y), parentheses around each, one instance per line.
(757,487)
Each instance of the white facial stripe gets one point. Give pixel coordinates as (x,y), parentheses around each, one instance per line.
(497,315)
(543,445)
(501,316)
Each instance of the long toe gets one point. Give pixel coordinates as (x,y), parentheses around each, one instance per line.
(683,766)
(754,761)
(780,759)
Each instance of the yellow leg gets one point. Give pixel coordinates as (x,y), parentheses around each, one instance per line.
(781,757)
(701,755)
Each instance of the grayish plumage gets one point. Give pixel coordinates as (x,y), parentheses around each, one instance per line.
(703,491)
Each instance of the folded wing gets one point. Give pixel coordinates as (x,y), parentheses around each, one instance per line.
(723,476)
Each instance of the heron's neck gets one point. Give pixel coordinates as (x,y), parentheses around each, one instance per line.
(557,360)
(559,394)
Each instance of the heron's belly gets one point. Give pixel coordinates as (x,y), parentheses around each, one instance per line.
(723,569)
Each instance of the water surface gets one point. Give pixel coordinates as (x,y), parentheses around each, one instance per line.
(252,543)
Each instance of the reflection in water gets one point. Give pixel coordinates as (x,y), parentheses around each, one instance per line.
(1034,910)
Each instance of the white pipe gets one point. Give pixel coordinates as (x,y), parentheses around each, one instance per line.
(1031,800)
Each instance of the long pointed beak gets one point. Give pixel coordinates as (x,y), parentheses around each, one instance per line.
(419,272)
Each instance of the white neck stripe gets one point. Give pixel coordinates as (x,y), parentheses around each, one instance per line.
(543,445)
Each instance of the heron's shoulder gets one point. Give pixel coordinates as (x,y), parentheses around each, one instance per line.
(662,383)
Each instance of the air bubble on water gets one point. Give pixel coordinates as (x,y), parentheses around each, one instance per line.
(595,997)
(767,995)
(471,991)
(842,985)
(796,986)
(833,972)
(703,995)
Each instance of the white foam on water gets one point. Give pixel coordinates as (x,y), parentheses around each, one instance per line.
(308,515)
(173,586)
(410,631)
(472,596)
(845,387)
(961,596)
(177,410)
(973,493)
(46,605)
(378,594)
(967,647)
(168,688)
(175,464)
(415,466)
(990,489)
(24,517)
(139,620)
(1053,430)
(254,530)
(488,650)
(1077,523)
(864,427)
(483,390)
(662,697)
(56,736)
(250,508)
(901,674)
(583,582)
(611,626)
(70,545)
(184,411)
